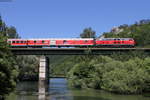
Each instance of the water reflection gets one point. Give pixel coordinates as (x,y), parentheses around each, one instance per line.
(58,90)
(42,90)
(42,97)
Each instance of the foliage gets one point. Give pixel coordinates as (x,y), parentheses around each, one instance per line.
(11,32)
(8,67)
(28,67)
(88,33)
(102,72)
(60,65)
(126,77)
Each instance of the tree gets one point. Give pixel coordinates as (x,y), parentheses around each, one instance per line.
(88,33)
(8,67)
(2,27)
(11,32)
(0,23)
(28,67)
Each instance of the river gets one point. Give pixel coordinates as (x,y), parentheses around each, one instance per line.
(58,90)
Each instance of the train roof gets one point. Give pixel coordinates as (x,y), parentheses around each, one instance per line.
(72,39)
(55,39)
(114,38)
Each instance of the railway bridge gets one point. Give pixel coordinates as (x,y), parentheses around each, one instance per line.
(43,61)
(73,51)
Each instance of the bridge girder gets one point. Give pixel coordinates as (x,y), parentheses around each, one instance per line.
(73,51)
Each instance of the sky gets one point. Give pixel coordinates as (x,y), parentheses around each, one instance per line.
(68,18)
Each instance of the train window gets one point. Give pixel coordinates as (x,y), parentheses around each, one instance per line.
(42,41)
(65,41)
(13,41)
(45,41)
(34,41)
(86,41)
(17,41)
(21,41)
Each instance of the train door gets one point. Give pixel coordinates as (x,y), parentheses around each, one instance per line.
(52,42)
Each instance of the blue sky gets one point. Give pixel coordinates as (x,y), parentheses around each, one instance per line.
(68,18)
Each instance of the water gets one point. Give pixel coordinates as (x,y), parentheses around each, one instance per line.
(58,90)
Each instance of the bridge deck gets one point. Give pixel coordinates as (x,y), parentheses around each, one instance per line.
(72,51)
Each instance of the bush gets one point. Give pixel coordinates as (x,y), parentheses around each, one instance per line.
(132,76)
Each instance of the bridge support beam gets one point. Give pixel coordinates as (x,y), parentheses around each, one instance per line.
(43,76)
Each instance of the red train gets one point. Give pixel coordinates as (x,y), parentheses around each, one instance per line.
(73,42)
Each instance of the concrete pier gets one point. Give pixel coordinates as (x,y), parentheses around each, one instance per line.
(43,77)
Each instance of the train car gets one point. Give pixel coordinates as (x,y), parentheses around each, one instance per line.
(72,42)
(38,42)
(51,42)
(17,42)
(115,42)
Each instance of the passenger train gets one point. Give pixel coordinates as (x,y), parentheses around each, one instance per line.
(72,42)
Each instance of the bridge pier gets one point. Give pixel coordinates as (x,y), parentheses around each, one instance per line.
(43,77)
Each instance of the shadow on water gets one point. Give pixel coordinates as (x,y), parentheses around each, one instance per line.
(79,98)
(27,87)
(58,90)
(88,98)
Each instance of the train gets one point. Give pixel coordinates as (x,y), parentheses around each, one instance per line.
(72,42)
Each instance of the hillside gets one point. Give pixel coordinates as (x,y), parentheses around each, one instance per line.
(140,31)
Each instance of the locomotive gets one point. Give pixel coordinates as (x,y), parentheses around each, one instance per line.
(72,42)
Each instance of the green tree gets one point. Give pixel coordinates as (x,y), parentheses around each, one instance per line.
(11,32)
(28,67)
(88,33)
(8,67)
